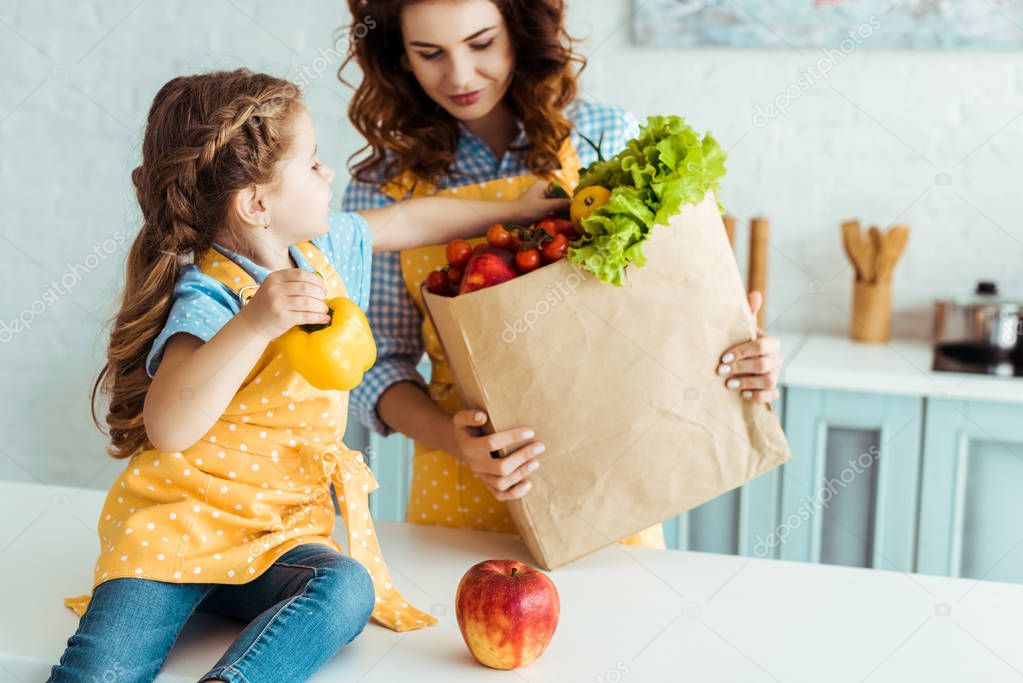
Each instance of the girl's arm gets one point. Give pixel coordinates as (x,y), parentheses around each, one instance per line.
(196,380)
(435,220)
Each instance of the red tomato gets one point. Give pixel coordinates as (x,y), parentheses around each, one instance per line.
(498,236)
(458,252)
(455,276)
(555,248)
(437,282)
(527,260)
(556,226)
(549,226)
(564,227)
(514,243)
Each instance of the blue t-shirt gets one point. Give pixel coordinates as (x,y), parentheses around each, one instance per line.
(201,305)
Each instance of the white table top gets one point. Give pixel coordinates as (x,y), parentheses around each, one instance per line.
(900,366)
(627,614)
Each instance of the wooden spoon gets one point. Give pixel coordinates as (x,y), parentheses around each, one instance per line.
(870,252)
(852,240)
(894,243)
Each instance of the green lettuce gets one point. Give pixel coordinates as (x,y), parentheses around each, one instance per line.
(666,167)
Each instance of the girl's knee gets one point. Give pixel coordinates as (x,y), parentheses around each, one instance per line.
(348,589)
(89,658)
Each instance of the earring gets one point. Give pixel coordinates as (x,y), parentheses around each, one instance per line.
(267,226)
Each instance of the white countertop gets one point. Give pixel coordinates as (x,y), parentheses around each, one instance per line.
(897,367)
(627,614)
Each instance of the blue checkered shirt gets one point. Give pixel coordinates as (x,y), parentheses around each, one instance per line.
(394,318)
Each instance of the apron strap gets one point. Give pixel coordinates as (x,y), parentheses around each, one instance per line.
(353,482)
(408,185)
(220,267)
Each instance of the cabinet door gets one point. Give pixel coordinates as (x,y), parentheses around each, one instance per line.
(849,494)
(731,522)
(971,502)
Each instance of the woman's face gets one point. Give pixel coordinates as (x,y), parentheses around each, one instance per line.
(461,54)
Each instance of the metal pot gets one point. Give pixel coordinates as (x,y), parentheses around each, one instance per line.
(980,333)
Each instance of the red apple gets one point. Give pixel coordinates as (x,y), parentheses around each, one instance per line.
(488,266)
(507,612)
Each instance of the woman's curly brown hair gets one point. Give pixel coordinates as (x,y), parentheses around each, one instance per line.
(207,136)
(407,131)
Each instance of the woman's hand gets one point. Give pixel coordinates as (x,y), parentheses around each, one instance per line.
(506,476)
(287,297)
(534,204)
(752,368)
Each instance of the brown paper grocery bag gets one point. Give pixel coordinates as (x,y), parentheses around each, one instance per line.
(620,383)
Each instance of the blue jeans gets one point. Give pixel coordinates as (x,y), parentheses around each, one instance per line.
(300,612)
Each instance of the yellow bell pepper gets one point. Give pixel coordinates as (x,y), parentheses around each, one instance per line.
(332,355)
(585,202)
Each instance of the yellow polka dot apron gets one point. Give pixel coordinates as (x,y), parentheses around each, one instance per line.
(254,487)
(444,490)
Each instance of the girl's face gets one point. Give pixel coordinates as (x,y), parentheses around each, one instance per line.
(298,206)
(461,54)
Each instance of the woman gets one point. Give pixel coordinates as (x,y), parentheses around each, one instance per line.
(472,98)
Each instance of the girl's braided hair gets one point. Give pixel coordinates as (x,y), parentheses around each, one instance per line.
(207,136)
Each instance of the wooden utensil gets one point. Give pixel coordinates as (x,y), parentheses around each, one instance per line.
(894,243)
(874,257)
(873,248)
(852,240)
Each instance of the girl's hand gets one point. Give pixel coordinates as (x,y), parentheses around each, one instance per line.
(506,476)
(287,297)
(534,204)
(752,367)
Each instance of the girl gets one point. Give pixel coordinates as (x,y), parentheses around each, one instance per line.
(483,93)
(224,505)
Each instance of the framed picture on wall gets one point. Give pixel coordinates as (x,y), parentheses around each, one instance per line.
(885,24)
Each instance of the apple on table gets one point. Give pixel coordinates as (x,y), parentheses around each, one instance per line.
(507,612)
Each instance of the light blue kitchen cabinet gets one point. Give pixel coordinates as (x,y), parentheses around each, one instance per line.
(849,495)
(972,490)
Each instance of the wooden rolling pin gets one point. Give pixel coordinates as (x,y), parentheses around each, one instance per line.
(759,231)
(730,229)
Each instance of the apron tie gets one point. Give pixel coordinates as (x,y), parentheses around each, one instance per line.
(353,482)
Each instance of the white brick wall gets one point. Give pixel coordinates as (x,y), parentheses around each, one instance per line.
(869,141)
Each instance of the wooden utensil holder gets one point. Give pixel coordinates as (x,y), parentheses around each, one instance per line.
(871,311)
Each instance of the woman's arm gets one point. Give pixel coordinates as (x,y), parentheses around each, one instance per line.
(393,317)
(435,220)
(406,408)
